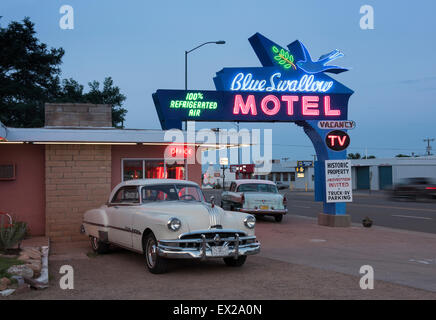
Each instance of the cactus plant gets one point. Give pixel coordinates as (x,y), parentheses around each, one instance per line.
(12,235)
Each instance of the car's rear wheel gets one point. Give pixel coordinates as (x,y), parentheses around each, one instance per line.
(155,263)
(98,246)
(278,218)
(238,262)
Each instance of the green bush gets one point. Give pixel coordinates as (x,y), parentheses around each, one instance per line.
(12,235)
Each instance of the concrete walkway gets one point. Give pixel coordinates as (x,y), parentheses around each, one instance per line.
(397,256)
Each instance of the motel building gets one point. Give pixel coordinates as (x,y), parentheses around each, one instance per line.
(50,176)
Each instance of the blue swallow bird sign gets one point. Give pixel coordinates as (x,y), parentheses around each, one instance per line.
(289,87)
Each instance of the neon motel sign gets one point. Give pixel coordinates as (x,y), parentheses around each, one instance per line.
(290,86)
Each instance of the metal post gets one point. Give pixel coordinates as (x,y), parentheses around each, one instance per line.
(186,70)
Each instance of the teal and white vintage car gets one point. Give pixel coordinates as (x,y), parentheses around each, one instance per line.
(258,197)
(165,219)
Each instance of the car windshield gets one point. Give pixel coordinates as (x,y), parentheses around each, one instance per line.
(257,187)
(171,192)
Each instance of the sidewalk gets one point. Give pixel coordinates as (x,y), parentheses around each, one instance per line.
(397,256)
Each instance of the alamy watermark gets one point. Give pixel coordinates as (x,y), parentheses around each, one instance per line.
(66,22)
(367,20)
(255,145)
(367,280)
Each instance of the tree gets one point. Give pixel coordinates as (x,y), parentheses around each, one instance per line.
(368,157)
(72,91)
(354,156)
(29,77)
(401,155)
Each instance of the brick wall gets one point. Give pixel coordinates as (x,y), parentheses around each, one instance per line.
(78,178)
(78,115)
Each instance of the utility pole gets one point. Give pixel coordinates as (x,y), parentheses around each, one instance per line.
(428,148)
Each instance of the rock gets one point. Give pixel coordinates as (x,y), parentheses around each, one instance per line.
(35,265)
(23,257)
(7,292)
(21,270)
(4,283)
(33,253)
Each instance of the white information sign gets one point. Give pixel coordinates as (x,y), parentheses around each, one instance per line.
(224,161)
(338,181)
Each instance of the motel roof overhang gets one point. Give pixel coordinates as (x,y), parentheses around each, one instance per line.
(103,136)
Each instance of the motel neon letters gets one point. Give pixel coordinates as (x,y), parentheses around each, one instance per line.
(270,105)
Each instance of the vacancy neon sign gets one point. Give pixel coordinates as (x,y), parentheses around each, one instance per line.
(270,105)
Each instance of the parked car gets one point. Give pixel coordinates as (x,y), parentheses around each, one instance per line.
(168,218)
(415,189)
(258,197)
(282,185)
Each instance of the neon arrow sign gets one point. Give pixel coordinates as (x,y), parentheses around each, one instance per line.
(280,90)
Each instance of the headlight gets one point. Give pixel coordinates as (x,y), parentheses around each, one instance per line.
(174,224)
(250,222)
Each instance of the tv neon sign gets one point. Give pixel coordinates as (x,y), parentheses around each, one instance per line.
(270,105)
(307,83)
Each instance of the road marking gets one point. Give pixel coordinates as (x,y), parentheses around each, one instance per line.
(317,240)
(424,261)
(380,206)
(412,217)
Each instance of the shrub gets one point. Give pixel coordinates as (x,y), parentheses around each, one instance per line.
(12,235)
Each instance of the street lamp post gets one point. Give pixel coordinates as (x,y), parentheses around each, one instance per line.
(186,58)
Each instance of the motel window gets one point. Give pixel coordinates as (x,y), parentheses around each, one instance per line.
(292,176)
(153,169)
(133,169)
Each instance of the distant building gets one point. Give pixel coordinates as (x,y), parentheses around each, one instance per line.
(379,174)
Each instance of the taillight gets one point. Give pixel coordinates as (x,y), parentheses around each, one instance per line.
(285,201)
(430,188)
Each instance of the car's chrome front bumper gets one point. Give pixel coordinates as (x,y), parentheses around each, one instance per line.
(271,212)
(202,248)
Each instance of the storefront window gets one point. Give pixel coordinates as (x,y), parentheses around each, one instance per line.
(153,169)
(285,176)
(176,171)
(132,169)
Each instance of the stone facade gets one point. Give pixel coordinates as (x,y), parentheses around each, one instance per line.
(78,115)
(78,178)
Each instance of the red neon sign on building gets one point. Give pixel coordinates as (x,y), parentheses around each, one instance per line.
(270,105)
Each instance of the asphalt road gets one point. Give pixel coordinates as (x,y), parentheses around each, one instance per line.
(405,215)
(413,216)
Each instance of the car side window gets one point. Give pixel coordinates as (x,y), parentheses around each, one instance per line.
(126,195)
(233,187)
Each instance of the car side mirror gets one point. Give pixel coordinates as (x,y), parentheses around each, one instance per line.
(212,199)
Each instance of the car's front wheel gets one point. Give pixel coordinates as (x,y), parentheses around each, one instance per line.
(98,246)
(155,263)
(238,262)
(278,218)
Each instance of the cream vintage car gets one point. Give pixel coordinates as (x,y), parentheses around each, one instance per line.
(258,197)
(165,219)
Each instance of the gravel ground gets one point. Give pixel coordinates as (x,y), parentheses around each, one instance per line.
(122,275)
